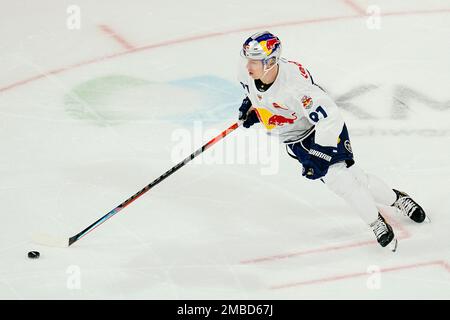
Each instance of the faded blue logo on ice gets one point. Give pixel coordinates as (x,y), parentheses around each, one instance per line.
(120,99)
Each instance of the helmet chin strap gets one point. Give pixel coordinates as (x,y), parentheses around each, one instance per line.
(267,70)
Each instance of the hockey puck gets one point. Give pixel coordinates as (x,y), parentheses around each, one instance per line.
(33,254)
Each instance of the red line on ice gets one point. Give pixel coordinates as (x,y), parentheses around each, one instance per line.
(201,37)
(355,7)
(440,263)
(401,234)
(121,40)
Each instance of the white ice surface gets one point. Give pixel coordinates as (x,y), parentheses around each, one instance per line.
(85,123)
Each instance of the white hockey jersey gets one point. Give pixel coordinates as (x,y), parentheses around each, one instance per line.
(294,106)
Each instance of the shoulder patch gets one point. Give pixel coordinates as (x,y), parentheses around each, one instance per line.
(307,102)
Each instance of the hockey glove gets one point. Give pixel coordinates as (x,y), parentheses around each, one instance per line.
(250,118)
(316,165)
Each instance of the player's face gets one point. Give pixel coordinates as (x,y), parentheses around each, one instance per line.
(255,68)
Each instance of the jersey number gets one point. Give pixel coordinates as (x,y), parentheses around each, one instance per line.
(314,116)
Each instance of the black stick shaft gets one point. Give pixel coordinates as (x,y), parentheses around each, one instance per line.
(124,204)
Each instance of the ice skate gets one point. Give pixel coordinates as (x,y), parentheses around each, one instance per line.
(406,205)
(384,233)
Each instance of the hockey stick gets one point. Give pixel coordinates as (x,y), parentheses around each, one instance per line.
(53,241)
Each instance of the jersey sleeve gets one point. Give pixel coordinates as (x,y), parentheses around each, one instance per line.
(328,122)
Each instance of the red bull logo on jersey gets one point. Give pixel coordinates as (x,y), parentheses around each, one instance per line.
(279,120)
(270,120)
(276,105)
(307,102)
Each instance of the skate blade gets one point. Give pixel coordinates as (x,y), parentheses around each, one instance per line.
(393,245)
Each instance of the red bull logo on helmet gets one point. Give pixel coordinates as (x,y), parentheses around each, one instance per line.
(270,44)
(262,45)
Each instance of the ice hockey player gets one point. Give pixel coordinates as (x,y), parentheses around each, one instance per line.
(283,97)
